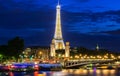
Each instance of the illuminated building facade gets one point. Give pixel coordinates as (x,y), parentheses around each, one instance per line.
(67,50)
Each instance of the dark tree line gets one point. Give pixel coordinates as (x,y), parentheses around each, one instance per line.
(83,50)
(13,48)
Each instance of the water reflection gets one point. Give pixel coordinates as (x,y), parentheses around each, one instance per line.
(36,73)
(94,72)
(67,72)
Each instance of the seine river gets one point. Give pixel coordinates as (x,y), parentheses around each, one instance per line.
(68,72)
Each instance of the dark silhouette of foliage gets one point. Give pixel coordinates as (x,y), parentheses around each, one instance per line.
(14,47)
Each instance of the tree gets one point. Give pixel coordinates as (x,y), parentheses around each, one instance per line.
(15,46)
(1,57)
(3,49)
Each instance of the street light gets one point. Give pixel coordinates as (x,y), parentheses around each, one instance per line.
(40,53)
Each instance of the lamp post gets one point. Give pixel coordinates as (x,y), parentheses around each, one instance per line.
(40,53)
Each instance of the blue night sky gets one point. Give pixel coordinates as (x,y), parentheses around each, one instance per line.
(84,22)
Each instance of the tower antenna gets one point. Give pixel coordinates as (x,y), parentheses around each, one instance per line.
(58,2)
(97,47)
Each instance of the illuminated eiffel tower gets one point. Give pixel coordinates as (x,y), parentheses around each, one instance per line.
(58,40)
(59,44)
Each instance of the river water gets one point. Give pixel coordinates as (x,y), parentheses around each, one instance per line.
(66,72)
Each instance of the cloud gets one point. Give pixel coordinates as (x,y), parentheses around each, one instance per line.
(69,5)
(94,23)
(25,5)
(19,20)
(113,32)
(20,32)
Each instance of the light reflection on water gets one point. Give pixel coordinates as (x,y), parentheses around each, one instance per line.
(67,72)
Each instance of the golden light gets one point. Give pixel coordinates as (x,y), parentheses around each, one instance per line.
(40,53)
(119,57)
(105,72)
(63,55)
(71,71)
(59,55)
(71,57)
(105,56)
(112,56)
(98,71)
(80,55)
(76,56)
(88,57)
(77,72)
(93,57)
(98,56)
(112,72)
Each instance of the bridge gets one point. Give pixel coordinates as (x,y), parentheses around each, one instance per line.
(77,63)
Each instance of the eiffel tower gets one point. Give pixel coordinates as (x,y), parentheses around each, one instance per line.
(58,40)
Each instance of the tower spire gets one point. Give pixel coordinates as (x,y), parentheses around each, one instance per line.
(58,2)
(97,47)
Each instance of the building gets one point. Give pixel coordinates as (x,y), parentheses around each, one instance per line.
(35,53)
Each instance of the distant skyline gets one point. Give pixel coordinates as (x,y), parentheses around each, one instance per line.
(84,22)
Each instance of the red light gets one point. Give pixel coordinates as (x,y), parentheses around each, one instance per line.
(9,67)
(12,66)
(36,66)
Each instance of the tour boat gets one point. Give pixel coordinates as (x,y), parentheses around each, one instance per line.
(50,67)
(23,67)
